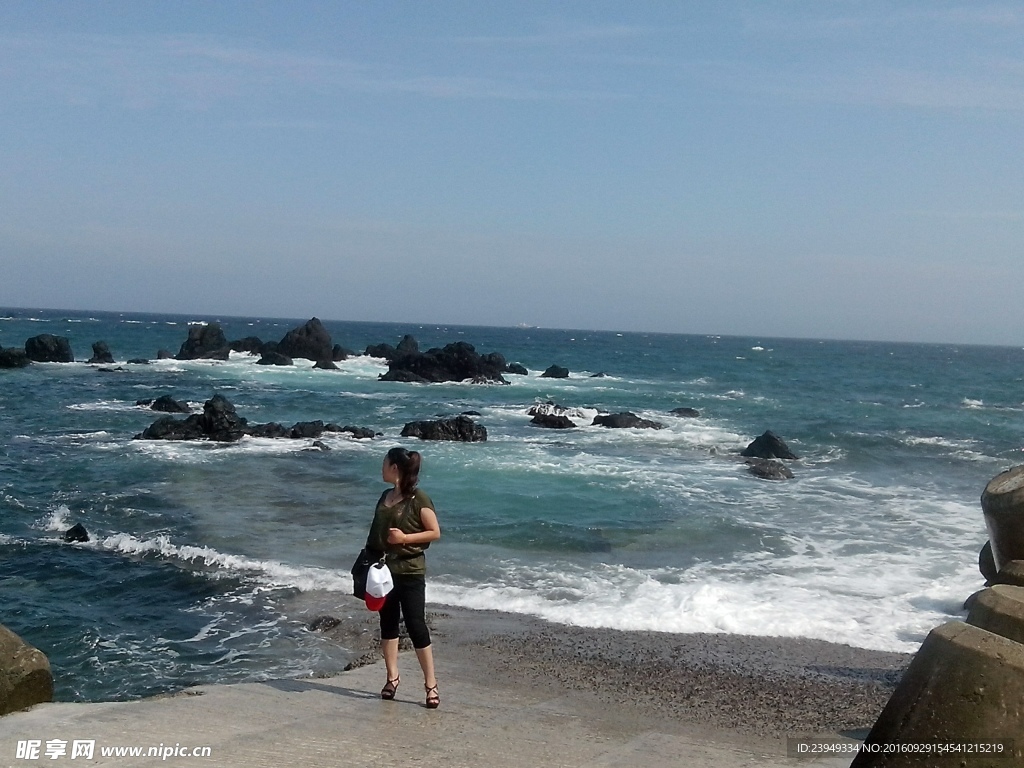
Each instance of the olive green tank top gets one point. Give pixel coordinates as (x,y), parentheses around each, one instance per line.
(405,559)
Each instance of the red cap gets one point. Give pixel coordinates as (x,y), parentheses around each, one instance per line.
(374,603)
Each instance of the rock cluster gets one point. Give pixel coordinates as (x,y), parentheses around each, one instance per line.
(220,422)
(460,429)
(310,341)
(625,420)
(768,446)
(458,361)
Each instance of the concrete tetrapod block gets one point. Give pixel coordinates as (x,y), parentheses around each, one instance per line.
(1011,573)
(25,677)
(965,685)
(1000,609)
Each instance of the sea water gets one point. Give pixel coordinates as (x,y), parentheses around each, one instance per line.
(199,549)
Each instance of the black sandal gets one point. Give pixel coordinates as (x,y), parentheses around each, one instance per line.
(433,699)
(388,691)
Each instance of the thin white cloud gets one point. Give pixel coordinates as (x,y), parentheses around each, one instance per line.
(200,71)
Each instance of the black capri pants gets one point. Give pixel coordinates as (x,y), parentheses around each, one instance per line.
(408,599)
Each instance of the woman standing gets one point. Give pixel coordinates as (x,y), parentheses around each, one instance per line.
(404,524)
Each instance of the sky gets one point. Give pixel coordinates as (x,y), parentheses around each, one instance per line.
(818,169)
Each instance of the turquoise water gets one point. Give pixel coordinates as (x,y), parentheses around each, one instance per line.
(200,549)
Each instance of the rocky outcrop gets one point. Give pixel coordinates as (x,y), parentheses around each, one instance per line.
(101,353)
(455,362)
(76,534)
(218,422)
(310,341)
(274,358)
(12,357)
(25,678)
(769,469)
(768,446)
(552,422)
(553,409)
(625,420)
(165,404)
(164,354)
(460,429)
(221,423)
(204,342)
(326,365)
(47,348)
(555,372)
(254,345)
(517,369)
(407,346)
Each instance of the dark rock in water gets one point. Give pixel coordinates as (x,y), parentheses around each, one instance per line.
(553,409)
(273,429)
(625,420)
(138,361)
(461,428)
(76,533)
(119,369)
(205,342)
(274,358)
(555,372)
(310,342)
(381,350)
(406,377)
(304,430)
(252,344)
(220,421)
(769,469)
(601,375)
(170,428)
(689,413)
(987,562)
(47,348)
(327,365)
(471,413)
(408,346)
(323,623)
(164,354)
(768,446)
(486,380)
(339,353)
(101,353)
(12,357)
(455,362)
(360,433)
(553,422)
(319,445)
(167,404)
(517,369)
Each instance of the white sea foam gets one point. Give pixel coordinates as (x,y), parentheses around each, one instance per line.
(892,611)
(104,405)
(270,573)
(968,403)
(57,521)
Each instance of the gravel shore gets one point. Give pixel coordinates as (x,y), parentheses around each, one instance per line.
(764,686)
